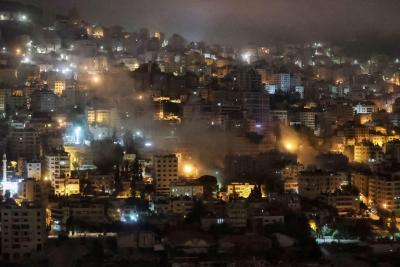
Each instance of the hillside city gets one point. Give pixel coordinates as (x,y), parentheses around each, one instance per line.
(142,148)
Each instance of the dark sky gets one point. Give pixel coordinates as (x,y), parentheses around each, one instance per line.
(244,21)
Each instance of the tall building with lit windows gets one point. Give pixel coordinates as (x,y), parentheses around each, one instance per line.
(59,87)
(379,190)
(102,116)
(165,172)
(384,192)
(57,168)
(367,152)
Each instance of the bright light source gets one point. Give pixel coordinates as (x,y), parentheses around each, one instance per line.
(12,187)
(246,57)
(130,217)
(148,144)
(25,60)
(96,79)
(188,169)
(66,70)
(289,146)
(77,135)
(313,225)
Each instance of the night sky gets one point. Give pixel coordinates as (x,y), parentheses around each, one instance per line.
(244,21)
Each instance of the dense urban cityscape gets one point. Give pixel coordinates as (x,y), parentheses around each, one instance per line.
(142,148)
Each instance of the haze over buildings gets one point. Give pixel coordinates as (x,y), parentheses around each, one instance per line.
(199,133)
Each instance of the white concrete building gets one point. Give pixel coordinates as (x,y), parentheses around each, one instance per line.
(33,169)
(57,168)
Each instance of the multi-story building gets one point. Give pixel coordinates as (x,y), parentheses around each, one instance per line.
(25,143)
(59,87)
(256,103)
(34,191)
(361,182)
(240,189)
(367,152)
(23,231)
(181,206)
(380,190)
(282,81)
(236,214)
(314,183)
(392,151)
(57,168)
(249,94)
(280,116)
(165,171)
(384,192)
(364,108)
(308,118)
(300,90)
(177,205)
(43,101)
(346,203)
(15,100)
(290,174)
(186,188)
(246,79)
(70,186)
(102,116)
(88,212)
(33,169)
